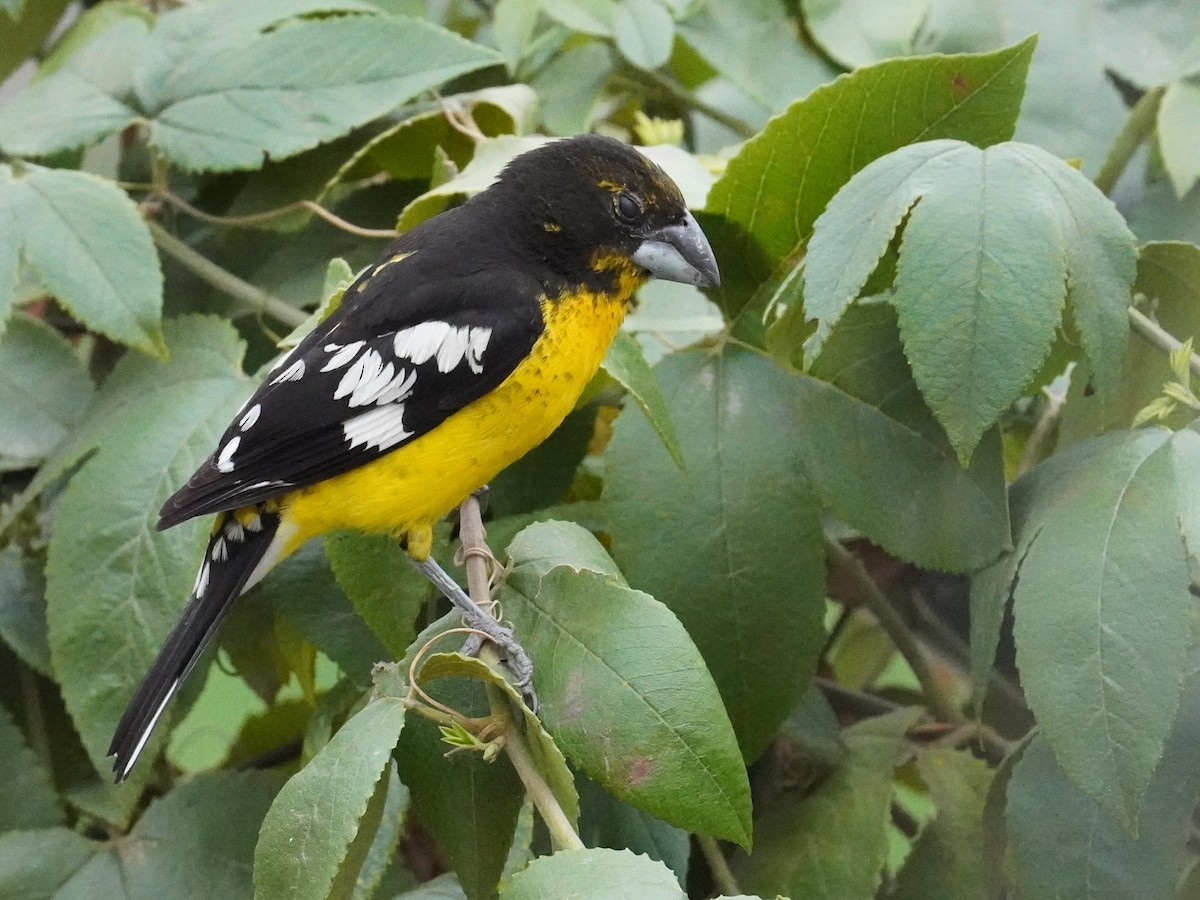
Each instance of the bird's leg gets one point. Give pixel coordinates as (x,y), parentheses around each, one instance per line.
(517,659)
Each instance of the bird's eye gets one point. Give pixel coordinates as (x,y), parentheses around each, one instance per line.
(628,208)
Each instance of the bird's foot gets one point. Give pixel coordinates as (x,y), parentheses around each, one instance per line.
(516,660)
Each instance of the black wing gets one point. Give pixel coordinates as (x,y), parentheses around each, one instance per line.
(391,364)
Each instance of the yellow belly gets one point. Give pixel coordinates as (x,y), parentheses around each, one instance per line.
(410,488)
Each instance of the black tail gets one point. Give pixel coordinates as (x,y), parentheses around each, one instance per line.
(239,541)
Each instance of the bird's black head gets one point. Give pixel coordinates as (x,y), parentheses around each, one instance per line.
(595,206)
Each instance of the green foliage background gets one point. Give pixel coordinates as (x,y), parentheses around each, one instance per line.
(870,574)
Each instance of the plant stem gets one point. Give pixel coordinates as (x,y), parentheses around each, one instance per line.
(1136,129)
(253,298)
(476,554)
(1150,331)
(35,719)
(656,81)
(897,629)
(267,215)
(717,864)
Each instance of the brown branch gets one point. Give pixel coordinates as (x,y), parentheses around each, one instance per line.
(869,594)
(476,555)
(267,215)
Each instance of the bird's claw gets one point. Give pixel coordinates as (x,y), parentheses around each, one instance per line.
(516,660)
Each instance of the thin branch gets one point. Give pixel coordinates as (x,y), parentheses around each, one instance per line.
(267,215)
(476,555)
(1032,454)
(897,629)
(1138,127)
(35,719)
(1154,334)
(723,876)
(858,702)
(253,298)
(643,79)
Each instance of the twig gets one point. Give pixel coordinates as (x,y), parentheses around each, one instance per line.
(859,702)
(642,79)
(1153,333)
(1138,127)
(267,215)
(1052,412)
(35,719)
(476,554)
(722,875)
(254,298)
(897,629)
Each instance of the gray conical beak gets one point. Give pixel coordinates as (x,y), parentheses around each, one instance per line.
(679,253)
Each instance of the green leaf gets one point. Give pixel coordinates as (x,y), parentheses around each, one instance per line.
(733,546)
(832,844)
(753,44)
(860,32)
(1168,276)
(44,389)
(513,26)
(643,31)
(570,84)
(36,864)
(595,874)
(237,97)
(303,590)
(23,607)
(205,352)
(315,817)
(605,821)
(114,584)
(1065,844)
(623,689)
(490,157)
(991,591)
(382,849)
(1179,134)
(24,34)
(201,833)
(904,488)
(468,806)
(978,296)
(947,860)
(86,244)
(593,17)
(774,189)
(1101,652)
(197,840)
(547,758)
(374,572)
(1071,107)
(813,727)
(626,364)
(408,150)
(62,112)
(27,798)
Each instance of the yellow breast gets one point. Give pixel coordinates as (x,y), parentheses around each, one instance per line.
(410,488)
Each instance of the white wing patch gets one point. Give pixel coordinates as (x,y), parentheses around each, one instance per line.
(448,343)
(381,428)
(341,355)
(294,372)
(201,584)
(361,374)
(250,417)
(225,460)
(420,342)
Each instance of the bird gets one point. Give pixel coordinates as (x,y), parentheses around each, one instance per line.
(461,348)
